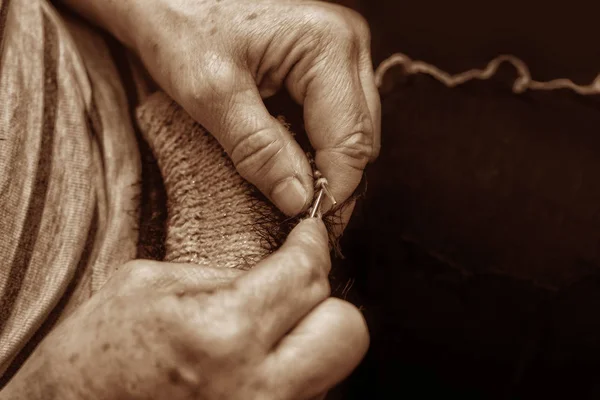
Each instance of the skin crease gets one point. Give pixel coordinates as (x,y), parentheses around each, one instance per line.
(219,58)
(180,331)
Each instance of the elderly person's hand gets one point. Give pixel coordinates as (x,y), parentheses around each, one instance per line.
(219,58)
(176,331)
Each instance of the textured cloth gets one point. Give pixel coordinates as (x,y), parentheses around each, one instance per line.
(72,187)
(68,168)
(477,254)
(215,217)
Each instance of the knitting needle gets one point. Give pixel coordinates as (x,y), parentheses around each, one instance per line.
(317,205)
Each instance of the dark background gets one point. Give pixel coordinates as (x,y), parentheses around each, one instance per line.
(555,39)
(475,254)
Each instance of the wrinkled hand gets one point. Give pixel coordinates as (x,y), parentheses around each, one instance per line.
(175,331)
(219,58)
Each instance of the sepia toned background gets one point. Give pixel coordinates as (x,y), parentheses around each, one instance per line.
(476,252)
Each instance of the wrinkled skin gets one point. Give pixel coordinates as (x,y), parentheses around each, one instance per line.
(181,331)
(220,58)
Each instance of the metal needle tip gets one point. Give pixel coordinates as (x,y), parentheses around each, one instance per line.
(317,205)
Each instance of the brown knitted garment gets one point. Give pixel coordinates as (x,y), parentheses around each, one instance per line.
(215,217)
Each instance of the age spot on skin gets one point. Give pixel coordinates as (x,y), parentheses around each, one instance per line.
(73,358)
(174,376)
(105,347)
(251,17)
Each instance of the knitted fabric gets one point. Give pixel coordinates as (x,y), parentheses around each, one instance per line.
(215,217)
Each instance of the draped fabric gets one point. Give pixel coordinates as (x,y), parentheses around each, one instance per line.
(81,177)
(69,169)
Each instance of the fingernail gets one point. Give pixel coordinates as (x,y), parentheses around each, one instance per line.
(290,196)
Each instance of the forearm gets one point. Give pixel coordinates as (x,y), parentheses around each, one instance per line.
(115,16)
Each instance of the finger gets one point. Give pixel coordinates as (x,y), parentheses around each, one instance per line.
(367,79)
(177,278)
(337,118)
(262,149)
(283,288)
(371,93)
(320,352)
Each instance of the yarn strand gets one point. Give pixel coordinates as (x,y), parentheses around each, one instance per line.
(522,83)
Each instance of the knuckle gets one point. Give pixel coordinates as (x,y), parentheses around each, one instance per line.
(357,146)
(333,24)
(256,153)
(361,25)
(139,274)
(217,78)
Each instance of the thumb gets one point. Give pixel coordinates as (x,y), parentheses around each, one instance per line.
(263,150)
